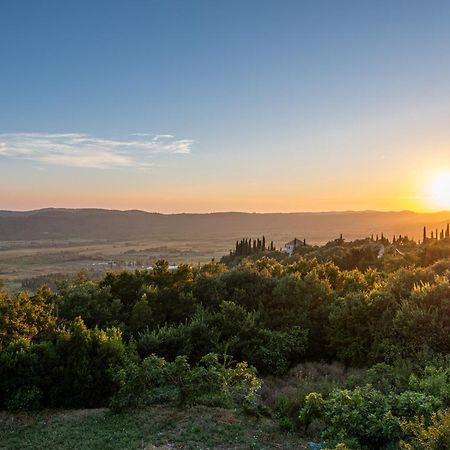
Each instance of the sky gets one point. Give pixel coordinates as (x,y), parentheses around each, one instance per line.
(199,106)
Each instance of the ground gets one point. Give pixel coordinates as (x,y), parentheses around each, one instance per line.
(21,260)
(153,428)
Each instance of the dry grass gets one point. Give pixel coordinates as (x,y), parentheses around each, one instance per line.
(23,260)
(304,378)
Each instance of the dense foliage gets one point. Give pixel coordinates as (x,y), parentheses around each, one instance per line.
(186,335)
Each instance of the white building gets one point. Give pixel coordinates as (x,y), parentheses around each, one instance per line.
(292,245)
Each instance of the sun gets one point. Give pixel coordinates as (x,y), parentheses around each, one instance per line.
(439,190)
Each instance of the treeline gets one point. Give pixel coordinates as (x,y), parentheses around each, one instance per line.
(249,246)
(304,310)
(435,234)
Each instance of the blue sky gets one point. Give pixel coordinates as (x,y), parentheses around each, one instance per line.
(236,105)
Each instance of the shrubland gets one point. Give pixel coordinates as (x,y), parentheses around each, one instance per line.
(335,343)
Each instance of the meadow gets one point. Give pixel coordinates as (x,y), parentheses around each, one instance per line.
(25,260)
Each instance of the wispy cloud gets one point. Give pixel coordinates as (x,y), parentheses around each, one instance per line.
(83,150)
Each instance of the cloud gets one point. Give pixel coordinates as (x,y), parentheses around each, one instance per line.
(86,151)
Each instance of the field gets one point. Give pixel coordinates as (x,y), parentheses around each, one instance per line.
(22,260)
(161,428)
(38,243)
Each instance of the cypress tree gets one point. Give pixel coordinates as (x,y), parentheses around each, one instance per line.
(424,239)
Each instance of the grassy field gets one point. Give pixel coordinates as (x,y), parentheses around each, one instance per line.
(29,259)
(153,428)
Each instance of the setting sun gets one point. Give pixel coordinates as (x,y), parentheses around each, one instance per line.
(439,190)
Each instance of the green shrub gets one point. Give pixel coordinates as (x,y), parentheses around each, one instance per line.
(24,365)
(312,409)
(362,417)
(409,404)
(73,370)
(142,384)
(270,351)
(209,383)
(434,381)
(82,377)
(166,341)
(388,378)
(25,398)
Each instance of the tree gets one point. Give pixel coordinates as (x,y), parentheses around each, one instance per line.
(23,316)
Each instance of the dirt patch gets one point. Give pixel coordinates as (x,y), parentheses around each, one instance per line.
(76,414)
(8,419)
(163,447)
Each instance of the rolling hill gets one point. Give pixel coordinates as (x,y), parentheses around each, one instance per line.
(101,224)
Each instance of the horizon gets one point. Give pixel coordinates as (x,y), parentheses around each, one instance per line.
(349,211)
(199,107)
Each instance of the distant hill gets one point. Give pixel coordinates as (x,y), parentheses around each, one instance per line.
(95,224)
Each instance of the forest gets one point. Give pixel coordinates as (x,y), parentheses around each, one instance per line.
(343,345)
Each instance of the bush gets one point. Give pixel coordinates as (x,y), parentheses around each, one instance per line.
(85,359)
(387,378)
(142,384)
(167,341)
(361,418)
(435,436)
(73,370)
(209,383)
(312,409)
(24,366)
(434,381)
(25,398)
(409,404)
(272,352)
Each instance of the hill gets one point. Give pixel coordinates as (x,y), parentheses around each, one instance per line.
(95,224)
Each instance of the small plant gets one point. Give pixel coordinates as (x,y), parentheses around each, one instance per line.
(312,409)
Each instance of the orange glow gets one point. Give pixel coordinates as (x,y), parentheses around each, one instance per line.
(438,190)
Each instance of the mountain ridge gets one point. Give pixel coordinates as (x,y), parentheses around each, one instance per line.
(97,223)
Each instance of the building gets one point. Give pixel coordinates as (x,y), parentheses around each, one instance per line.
(292,245)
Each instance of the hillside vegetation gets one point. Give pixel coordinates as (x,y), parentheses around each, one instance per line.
(343,345)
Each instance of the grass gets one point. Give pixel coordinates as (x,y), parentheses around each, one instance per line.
(29,259)
(155,428)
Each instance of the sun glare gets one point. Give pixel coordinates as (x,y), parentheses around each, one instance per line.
(439,191)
